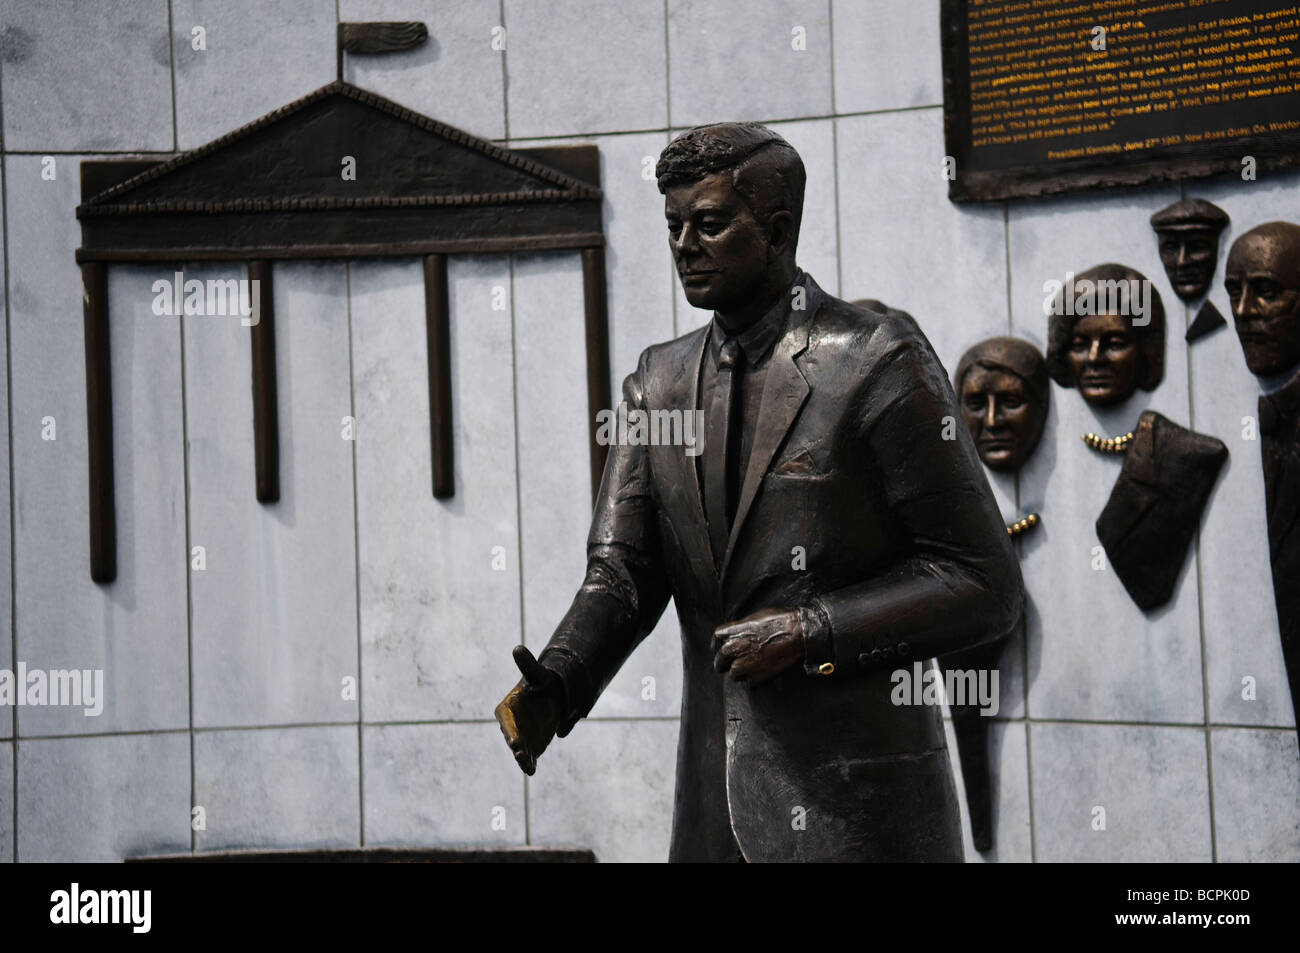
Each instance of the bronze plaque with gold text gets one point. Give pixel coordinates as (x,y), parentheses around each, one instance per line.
(1050,96)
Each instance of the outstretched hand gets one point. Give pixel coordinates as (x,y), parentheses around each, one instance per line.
(760,646)
(530,714)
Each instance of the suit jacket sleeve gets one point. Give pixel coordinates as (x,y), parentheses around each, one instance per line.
(625,589)
(956,582)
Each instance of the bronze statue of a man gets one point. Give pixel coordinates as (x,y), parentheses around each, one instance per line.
(833,528)
(1263,284)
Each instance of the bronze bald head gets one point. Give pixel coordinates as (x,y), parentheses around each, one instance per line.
(1263,283)
(1002,386)
(1188,232)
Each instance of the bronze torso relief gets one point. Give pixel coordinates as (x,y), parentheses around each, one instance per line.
(1263,283)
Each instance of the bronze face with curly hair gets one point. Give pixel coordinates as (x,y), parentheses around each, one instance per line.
(1109,338)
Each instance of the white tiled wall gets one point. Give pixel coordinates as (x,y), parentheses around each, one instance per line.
(136,630)
(437,620)
(228,688)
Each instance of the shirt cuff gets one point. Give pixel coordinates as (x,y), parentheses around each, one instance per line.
(818,649)
(575,686)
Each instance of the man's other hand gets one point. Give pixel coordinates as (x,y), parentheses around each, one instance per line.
(530,714)
(760,646)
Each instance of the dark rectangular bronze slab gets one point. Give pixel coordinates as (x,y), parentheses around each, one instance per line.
(349,250)
(437,325)
(266,411)
(338,233)
(99,424)
(597,333)
(381,36)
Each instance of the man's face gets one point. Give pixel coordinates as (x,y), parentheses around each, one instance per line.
(719,247)
(1104,358)
(1002,418)
(1263,283)
(1189,256)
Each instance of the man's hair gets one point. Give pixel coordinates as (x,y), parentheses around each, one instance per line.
(1150,337)
(1013,356)
(765,169)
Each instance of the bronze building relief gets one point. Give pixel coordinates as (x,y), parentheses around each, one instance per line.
(272,191)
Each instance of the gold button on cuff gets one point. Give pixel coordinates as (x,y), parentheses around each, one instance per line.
(826,668)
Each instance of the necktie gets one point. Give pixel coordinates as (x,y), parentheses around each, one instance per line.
(721,446)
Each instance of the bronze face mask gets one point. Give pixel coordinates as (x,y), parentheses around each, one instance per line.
(1104,358)
(1188,233)
(1263,283)
(1106,334)
(1002,386)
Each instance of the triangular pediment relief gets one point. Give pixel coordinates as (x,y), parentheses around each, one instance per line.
(304,155)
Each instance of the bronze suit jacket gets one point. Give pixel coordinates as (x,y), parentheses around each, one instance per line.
(862,460)
(1279,424)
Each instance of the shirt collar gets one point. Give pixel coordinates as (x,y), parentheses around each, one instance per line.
(758,339)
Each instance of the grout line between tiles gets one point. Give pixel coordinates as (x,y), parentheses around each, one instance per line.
(9,426)
(189,579)
(356,558)
(519,505)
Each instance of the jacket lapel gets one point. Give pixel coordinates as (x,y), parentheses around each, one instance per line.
(686,487)
(784,391)
(1281,459)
